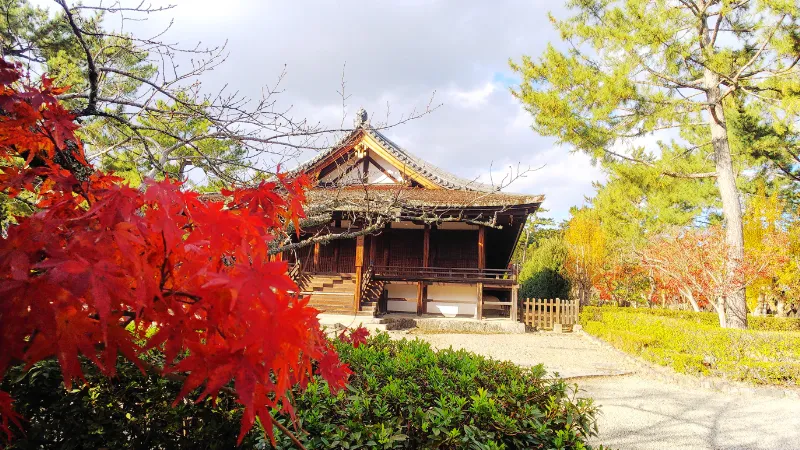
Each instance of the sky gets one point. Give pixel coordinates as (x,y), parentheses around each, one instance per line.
(398,54)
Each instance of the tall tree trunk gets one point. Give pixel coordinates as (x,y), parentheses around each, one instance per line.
(736,303)
(690,298)
(719,306)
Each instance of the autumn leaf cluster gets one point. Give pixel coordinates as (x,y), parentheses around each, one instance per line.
(98,257)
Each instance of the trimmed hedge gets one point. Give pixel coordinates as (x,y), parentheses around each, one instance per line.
(402,395)
(760,323)
(694,343)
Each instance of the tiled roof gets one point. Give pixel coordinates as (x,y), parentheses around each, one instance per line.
(377,197)
(435,174)
(384,198)
(457,192)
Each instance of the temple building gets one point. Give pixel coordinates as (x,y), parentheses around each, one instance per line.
(393,233)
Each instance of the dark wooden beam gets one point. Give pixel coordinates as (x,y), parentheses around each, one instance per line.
(382,169)
(426,246)
(359,273)
(420,298)
(336,246)
(424,298)
(345,173)
(387,239)
(481,247)
(479,305)
(514,303)
(373,248)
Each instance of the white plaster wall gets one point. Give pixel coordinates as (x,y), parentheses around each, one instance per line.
(377,176)
(374,176)
(401,306)
(451,309)
(408,291)
(441,297)
(460,292)
(337,172)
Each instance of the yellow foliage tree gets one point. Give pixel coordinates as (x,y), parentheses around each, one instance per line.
(770,234)
(586,250)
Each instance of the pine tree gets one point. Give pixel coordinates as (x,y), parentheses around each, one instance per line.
(640,68)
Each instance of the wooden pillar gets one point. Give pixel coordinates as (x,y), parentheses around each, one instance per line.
(387,238)
(426,247)
(481,265)
(479,305)
(373,248)
(359,272)
(316,256)
(481,247)
(421,294)
(514,302)
(336,245)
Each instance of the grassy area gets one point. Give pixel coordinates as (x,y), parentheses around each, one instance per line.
(693,343)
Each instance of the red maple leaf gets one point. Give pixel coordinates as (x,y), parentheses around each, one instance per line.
(98,256)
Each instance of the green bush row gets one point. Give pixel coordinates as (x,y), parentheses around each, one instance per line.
(710,318)
(402,395)
(693,343)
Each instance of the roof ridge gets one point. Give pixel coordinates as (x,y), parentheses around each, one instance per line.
(432,172)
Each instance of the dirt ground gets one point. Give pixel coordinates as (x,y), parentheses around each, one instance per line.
(638,410)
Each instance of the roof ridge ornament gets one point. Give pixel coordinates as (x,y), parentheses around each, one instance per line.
(362,119)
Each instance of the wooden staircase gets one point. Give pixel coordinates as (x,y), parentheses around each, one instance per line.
(371,291)
(331,293)
(334,293)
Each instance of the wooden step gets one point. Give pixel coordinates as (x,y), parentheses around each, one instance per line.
(336,289)
(332,299)
(331,283)
(333,310)
(342,276)
(326,293)
(330,286)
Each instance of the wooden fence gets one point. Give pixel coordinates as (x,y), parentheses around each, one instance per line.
(541,313)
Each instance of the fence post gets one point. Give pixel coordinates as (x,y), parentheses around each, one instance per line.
(546,313)
(526,303)
(543,314)
(577,311)
(558,311)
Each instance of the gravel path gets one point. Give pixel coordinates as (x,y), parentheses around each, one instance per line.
(639,411)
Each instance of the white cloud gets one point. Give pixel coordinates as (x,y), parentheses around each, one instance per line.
(473,98)
(522,120)
(396,53)
(565,178)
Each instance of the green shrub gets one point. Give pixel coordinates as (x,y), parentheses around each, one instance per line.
(542,275)
(760,323)
(773,323)
(402,395)
(694,343)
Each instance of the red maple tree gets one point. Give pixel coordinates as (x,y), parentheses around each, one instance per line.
(695,262)
(99,259)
